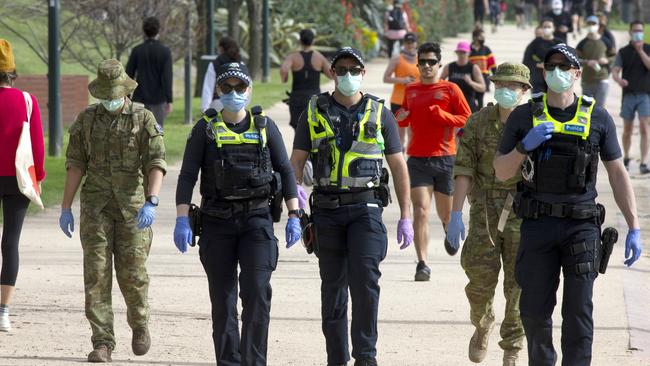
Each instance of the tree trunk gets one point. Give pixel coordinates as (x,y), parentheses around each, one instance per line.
(233,18)
(255,46)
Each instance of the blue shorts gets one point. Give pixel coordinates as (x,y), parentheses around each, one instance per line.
(635,102)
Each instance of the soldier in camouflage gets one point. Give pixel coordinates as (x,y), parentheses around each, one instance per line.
(493,228)
(118,146)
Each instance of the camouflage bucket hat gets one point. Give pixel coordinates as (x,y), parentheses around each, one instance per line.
(508,71)
(112,82)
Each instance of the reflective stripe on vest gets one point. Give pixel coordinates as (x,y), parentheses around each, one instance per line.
(370,148)
(224,136)
(578,126)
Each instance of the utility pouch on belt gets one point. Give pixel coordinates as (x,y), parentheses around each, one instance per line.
(323,163)
(383,192)
(608,239)
(307,231)
(276,197)
(195,222)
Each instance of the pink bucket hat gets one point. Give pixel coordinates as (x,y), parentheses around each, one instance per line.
(463,46)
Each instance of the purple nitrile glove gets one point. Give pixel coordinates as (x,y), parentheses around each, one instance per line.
(404,233)
(302,196)
(633,246)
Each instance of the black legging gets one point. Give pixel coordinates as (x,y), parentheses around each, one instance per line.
(14,208)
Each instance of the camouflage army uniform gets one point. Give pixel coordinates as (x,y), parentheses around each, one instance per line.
(485,246)
(115,152)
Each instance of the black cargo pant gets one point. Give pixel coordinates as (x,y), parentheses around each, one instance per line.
(351,242)
(548,244)
(246,239)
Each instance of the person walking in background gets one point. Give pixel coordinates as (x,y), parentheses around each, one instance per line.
(520,16)
(495,13)
(434,110)
(306,67)
(493,227)
(228,52)
(13,112)
(150,64)
(481,7)
(632,72)
(535,52)
(401,71)
(115,144)
(466,75)
(607,35)
(577,13)
(561,20)
(396,25)
(481,55)
(594,52)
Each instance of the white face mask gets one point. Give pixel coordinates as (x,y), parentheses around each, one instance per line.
(547,31)
(557,11)
(593,29)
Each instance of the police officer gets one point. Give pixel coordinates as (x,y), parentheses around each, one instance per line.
(114,144)
(493,228)
(559,137)
(243,163)
(348,133)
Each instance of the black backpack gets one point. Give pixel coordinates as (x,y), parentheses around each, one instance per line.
(396,19)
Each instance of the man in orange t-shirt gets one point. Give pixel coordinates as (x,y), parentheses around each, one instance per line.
(434,110)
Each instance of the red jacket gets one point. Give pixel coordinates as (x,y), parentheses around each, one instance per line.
(13,112)
(435,112)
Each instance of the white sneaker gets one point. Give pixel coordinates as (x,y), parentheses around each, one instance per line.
(5,324)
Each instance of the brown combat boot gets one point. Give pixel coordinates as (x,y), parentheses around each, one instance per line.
(510,357)
(478,344)
(101,353)
(141,341)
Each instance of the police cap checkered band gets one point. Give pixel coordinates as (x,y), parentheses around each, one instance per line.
(233,70)
(348,52)
(568,52)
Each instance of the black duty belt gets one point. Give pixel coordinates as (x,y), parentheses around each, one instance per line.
(225,209)
(335,200)
(529,208)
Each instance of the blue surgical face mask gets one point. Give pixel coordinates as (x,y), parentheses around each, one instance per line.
(559,81)
(637,36)
(506,97)
(233,101)
(112,105)
(349,85)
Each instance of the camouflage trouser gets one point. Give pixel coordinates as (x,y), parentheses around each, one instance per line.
(105,237)
(481,261)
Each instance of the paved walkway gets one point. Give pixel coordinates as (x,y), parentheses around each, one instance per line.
(424,324)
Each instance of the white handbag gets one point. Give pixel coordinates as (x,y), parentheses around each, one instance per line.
(25,170)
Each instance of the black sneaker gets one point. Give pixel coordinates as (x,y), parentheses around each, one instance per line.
(366,362)
(422,272)
(643,169)
(626,162)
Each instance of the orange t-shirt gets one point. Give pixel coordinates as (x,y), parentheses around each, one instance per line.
(403,69)
(435,112)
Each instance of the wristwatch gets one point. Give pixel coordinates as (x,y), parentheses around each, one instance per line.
(520,148)
(299,212)
(153,200)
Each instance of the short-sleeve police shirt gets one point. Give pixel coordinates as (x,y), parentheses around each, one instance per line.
(347,117)
(602,133)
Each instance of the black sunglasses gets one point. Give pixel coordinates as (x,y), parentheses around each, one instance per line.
(550,66)
(341,71)
(227,88)
(430,62)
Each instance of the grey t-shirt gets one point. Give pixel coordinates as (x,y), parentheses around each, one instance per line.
(602,133)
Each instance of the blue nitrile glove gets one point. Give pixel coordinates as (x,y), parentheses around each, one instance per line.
(302,196)
(537,135)
(293,231)
(633,244)
(456,229)
(182,233)
(146,215)
(66,221)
